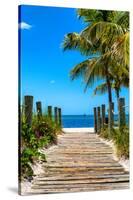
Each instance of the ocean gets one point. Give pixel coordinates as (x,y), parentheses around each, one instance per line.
(79,121)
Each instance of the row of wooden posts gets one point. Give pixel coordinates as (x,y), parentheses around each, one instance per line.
(101,119)
(28,111)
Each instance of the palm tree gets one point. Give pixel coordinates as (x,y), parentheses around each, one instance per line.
(119,79)
(102,31)
(113,33)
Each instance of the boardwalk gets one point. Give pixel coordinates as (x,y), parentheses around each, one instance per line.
(80,162)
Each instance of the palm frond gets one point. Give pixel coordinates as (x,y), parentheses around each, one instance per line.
(87,71)
(90,15)
(79,69)
(97,72)
(101,89)
(74,41)
(105,32)
(123,20)
(120,50)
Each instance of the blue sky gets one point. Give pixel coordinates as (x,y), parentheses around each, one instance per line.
(45,67)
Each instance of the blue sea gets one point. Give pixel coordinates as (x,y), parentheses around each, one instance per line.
(79,121)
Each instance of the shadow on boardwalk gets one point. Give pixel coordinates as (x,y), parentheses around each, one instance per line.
(80,162)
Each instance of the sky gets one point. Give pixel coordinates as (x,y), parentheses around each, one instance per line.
(45,67)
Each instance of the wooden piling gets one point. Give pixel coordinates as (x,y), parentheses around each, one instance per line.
(111,117)
(28,107)
(56,115)
(103,115)
(98,120)
(121,114)
(50,112)
(60,120)
(95,120)
(39,108)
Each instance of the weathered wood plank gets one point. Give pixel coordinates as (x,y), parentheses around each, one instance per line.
(82,173)
(80,177)
(83,185)
(80,162)
(81,181)
(85,189)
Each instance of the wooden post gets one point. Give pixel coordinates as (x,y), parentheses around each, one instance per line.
(50,112)
(60,121)
(28,101)
(98,120)
(111,117)
(95,120)
(113,113)
(103,115)
(39,108)
(56,115)
(122,116)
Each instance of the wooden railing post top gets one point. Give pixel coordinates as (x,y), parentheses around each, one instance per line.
(38,102)
(28,100)
(28,97)
(28,109)
(103,105)
(59,109)
(39,108)
(122,99)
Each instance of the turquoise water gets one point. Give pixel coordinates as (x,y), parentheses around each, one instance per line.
(79,121)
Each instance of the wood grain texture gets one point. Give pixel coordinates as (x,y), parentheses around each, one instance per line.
(80,162)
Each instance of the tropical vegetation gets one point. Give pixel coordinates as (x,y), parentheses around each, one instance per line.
(42,133)
(106,39)
(120,139)
(105,43)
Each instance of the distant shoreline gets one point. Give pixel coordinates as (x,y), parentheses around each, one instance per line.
(83,121)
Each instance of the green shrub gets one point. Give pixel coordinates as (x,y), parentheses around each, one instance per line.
(104,133)
(120,138)
(42,133)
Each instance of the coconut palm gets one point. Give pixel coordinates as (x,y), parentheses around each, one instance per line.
(112,32)
(97,64)
(118,79)
(102,31)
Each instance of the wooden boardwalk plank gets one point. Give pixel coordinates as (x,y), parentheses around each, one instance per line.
(79,163)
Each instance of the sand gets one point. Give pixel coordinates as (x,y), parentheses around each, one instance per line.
(78,130)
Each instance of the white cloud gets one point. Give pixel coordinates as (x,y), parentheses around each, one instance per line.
(52,81)
(24,25)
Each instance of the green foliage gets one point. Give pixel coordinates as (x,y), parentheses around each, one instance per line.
(78,42)
(106,35)
(42,133)
(104,132)
(120,138)
(101,89)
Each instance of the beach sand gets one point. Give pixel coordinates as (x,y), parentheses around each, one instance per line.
(78,130)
